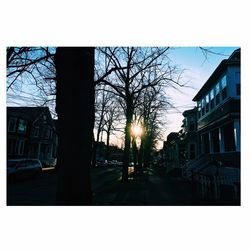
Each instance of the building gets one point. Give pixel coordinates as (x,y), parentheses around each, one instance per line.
(207,148)
(189,134)
(31,133)
(216,172)
(181,146)
(218,104)
(173,151)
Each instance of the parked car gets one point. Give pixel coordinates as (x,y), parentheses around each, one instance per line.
(23,168)
(101,163)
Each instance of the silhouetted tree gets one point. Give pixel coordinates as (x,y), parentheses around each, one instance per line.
(134,68)
(151,110)
(112,116)
(75,109)
(102,102)
(31,76)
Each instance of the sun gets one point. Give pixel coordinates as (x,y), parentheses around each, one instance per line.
(136,130)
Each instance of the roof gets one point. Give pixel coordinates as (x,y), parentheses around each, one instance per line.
(172,136)
(30,113)
(234,59)
(189,111)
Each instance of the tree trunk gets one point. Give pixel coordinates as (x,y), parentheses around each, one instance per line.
(140,154)
(135,154)
(108,138)
(94,151)
(95,145)
(147,152)
(129,115)
(75,109)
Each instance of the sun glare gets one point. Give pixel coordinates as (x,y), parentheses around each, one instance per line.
(136,130)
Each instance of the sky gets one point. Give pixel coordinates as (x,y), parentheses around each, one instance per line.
(196,70)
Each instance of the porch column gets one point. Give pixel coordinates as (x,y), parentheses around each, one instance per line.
(221,139)
(237,134)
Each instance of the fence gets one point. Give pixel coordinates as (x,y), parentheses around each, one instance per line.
(219,187)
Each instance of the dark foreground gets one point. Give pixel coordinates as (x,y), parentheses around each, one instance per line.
(148,188)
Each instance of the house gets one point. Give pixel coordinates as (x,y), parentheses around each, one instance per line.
(218,104)
(189,134)
(207,148)
(181,146)
(174,151)
(216,172)
(31,133)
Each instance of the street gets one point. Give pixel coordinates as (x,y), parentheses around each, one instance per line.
(144,189)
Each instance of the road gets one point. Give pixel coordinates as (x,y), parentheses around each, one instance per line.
(145,189)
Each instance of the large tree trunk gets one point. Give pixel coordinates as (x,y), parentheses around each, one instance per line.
(75,108)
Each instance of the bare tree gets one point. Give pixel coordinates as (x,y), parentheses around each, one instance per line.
(151,112)
(31,76)
(112,116)
(138,70)
(102,101)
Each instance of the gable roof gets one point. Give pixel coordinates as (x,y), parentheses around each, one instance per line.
(233,60)
(30,113)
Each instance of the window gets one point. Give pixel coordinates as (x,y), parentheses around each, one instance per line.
(36,131)
(207,103)
(20,147)
(217,93)
(12,124)
(238,89)
(224,87)
(11,146)
(203,107)
(211,99)
(199,109)
(22,126)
